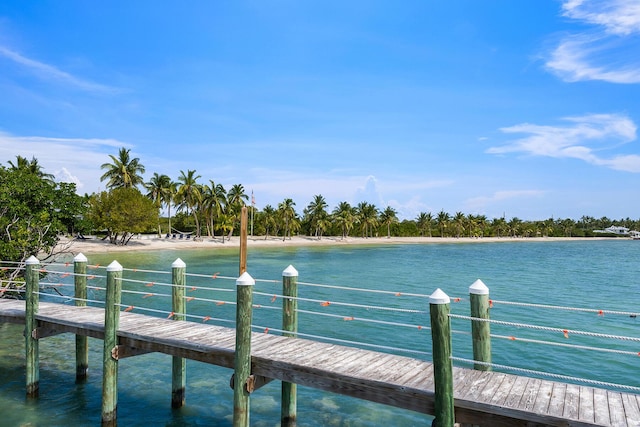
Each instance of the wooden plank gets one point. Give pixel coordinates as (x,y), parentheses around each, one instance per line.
(571,402)
(492,387)
(601,407)
(543,398)
(586,412)
(501,394)
(631,409)
(529,395)
(517,390)
(556,404)
(616,409)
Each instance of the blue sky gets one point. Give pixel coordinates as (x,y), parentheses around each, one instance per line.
(523,108)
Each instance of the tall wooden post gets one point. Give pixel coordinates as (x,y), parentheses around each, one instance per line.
(290,324)
(110,354)
(480,331)
(243,240)
(82,343)
(32,277)
(442,365)
(179,367)
(244,314)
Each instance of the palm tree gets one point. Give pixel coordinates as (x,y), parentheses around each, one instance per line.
(458,220)
(269,218)
(287,214)
(344,216)
(443,220)
(189,195)
(31,166)
(367,214)
(388,217)
(123,172)
(159,190)
(214,200)
(236,198)
(316,212)
(423,220)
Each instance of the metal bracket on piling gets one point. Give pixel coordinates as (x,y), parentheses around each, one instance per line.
(253,383)
(122,352)
(45,331)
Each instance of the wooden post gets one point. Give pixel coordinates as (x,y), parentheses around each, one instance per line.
(32,277)
(442,365)
(290,324)
(82,343)
(244,286)
(179,367)
(243,240)
(110,354)
(480,331)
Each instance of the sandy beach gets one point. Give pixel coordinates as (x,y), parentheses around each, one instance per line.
(153,242)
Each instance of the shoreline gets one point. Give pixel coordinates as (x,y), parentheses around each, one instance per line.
(154,243)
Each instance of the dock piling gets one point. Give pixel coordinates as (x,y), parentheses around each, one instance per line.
(480,331)
(439,309)
(289,324)
(32,277)
(178,367)
(80,292)
(242,365)
(110,362)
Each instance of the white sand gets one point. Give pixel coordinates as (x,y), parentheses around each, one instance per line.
(153,242)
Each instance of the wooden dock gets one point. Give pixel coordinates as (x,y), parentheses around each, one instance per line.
(481,398)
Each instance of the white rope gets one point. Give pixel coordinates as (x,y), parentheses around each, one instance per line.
(137,270)
(146,294)
(147,282)
(376,291)
(557,344)
(362,319)
(211,276)
(547,328)
(343,341)
(548,374)
(559,307)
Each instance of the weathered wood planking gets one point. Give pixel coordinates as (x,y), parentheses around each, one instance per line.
(481,397)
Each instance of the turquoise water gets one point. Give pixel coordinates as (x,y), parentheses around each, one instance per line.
(598,275)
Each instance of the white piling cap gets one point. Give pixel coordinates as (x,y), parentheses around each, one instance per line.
(245,280)
(290,272)
(80,258)
(114,266)
(478,288)
(32,260)
(439,297)
(178,263)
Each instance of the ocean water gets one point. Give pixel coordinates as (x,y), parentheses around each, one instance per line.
(594,275)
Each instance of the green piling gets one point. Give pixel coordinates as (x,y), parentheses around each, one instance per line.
(32,277)
(244,287)
(82,343)
(480,331)
(179,367)
(439,308)
(110,358)
(290,325)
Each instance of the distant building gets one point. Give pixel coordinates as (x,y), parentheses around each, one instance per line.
(614,229)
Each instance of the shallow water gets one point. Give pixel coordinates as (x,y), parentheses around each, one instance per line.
(599,275)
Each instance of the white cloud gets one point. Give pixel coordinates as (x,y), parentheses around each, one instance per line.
(617,16)
(480,204)
(607,52)
(50,73)
(600,131)
(75,160)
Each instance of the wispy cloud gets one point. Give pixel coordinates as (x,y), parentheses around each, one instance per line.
(75,160)
(607,51)
(50,73)
(600,131)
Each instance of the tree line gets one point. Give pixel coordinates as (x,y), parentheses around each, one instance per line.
(35,210)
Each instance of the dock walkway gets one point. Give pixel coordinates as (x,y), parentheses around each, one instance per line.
(481,397)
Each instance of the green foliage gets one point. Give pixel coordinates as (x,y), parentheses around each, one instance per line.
(33,212)
(122,212)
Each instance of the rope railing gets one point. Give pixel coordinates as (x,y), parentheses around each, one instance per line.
(599,312)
